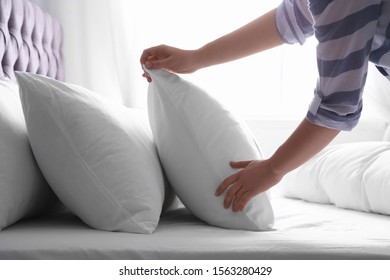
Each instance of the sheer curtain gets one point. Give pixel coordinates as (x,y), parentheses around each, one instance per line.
(105,38)
(96,46)
(278,83)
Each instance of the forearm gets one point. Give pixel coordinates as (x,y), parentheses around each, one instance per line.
(258,35)
(306,141)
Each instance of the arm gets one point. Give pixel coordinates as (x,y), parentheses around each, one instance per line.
(258,35)
(306,141)
(342,57)
(258,176)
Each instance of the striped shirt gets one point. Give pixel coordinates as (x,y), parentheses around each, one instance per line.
(350,34)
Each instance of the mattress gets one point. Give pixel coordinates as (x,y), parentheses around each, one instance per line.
(302,231)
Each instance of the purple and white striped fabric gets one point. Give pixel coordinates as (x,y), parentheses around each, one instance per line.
(350,33)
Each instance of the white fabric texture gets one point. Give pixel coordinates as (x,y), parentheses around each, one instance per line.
(303,230)
(99,157)
(386,135)
(98,44)
(354,176)
(23,190)
(196,137)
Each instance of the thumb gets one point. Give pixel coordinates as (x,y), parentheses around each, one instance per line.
(157,64)
(240,164)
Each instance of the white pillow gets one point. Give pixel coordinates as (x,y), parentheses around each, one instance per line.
(386,135)
(354,176)
(23,190)
(376,182)
(98,157)
(196,138)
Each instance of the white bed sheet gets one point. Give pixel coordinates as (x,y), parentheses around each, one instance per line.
(302,231)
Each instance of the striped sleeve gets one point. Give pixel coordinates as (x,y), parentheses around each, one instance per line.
(294,21)
(345,31)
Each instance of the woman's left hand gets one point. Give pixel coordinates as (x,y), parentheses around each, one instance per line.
(255,176)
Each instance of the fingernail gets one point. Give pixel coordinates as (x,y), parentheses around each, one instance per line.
(148,64)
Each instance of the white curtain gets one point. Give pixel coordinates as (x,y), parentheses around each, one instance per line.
(264,85)
(105,38)
(96,46)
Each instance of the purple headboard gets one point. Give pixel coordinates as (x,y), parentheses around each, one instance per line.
(30,40)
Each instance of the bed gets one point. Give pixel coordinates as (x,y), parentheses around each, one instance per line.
(302,230)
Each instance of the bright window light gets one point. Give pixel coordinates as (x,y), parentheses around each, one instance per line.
(278,83)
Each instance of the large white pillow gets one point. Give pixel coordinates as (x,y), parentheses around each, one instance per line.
(196,138)
(354,176)
(98,157)
(386,135)
(376,182)
(23,190)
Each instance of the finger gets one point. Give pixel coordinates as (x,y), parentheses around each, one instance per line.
(145,56)
(239,198)
(150,53)
(149,64)
(147,77)
(240,164)
(226,183)
(240,194)
(153,54)
(230,194)
(165,64)
(246,197)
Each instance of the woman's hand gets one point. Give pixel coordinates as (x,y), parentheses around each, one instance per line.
(258,176)
(170,59)
(254,177)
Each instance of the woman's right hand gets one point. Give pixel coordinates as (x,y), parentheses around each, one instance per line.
(170,59)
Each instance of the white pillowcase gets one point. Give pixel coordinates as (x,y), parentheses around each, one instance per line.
(23,190)
(196,139)
(376,182)
(386,135)
(98,157)
(354,176)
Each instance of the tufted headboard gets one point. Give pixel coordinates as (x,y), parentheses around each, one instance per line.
(30,40)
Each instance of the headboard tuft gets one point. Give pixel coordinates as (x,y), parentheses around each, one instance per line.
(30,40)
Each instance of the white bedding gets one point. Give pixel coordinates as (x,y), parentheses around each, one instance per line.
(302,231)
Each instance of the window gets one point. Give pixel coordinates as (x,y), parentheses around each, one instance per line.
(278,83)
